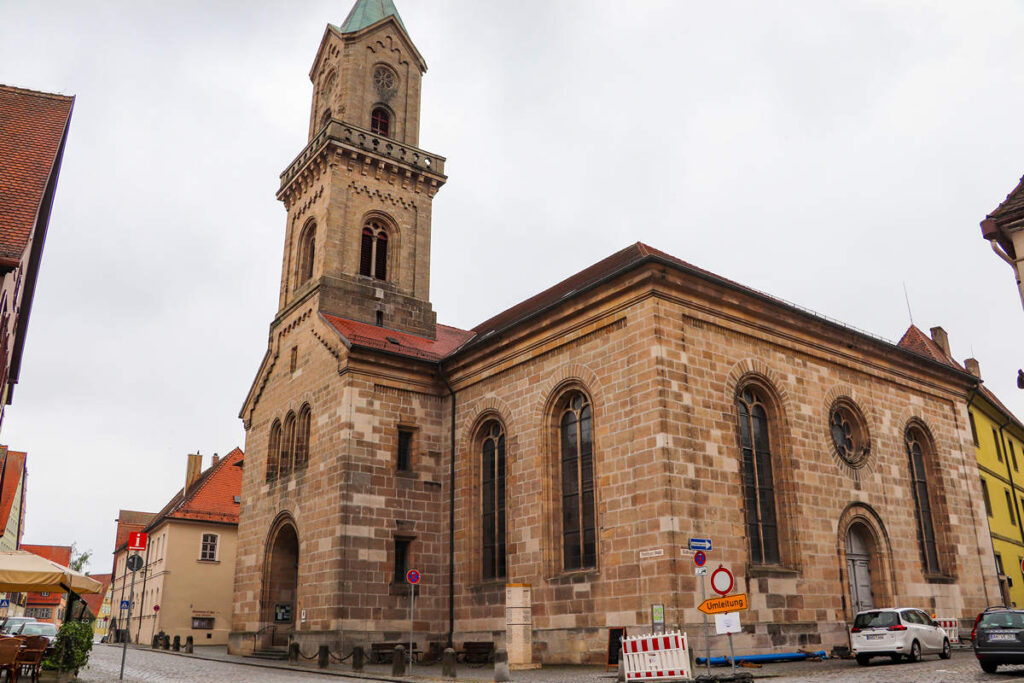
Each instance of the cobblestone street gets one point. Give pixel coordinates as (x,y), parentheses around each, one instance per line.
(214,666)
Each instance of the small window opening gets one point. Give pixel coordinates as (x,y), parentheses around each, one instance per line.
(380,121)
(403,462)
(380,318)
(401,559)
(294,361)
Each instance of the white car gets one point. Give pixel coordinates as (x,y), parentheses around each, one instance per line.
(897,633)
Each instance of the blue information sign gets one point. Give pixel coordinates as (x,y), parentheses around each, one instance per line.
(124,604)
(700,544)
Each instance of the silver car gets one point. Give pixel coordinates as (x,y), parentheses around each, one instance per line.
(897,633)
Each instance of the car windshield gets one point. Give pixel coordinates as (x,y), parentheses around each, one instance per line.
(875,620)
(1002,620)
(38,630)
(13,623)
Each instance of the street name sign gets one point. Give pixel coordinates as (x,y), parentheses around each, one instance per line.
(729,603)
(700,544)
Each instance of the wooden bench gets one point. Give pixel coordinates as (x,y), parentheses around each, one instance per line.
(477,652)
(384,653)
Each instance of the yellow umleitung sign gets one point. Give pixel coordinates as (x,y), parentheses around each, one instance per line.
(730,603)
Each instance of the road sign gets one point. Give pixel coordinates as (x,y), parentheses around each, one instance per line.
(700,571)
(700,544)
(722,581)
(728,603)
(124,605)
(137,540)
(5,603)
(699,558)
(135,562)
(412,576)
(156,608)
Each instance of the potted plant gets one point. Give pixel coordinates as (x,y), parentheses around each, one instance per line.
(70,650)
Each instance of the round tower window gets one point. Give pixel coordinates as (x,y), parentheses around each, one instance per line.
(385,80)
(849,434)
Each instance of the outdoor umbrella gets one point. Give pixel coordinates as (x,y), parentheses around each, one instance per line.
(22,571)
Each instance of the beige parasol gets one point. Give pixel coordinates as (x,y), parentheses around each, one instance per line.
(22,571)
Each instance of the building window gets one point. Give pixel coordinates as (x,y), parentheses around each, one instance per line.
(984,494)
(274,451)
(1009,507)
(373,253)
(202,623)
(999,564)
(401,559)
(44,594)
(208,550)
(325,118)
(974,428)
(492,488)
(579,527)
(307,254)
(403,459)
(39,612)
(758,482)
(999,451)
(293,361)
(287,444)
(380,121)
(1013,455)
(302,437)
(849,433)
(922,502)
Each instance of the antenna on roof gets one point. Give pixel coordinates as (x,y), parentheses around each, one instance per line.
(907,296)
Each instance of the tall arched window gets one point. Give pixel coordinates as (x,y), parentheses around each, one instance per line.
(758,483)
(916,449)
(307,252)
(380,121)
(302,438)
(325,118)
(492,497)
(274,451)
(579,528)
(287,444)
(373,251)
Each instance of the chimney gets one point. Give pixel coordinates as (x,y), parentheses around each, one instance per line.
(940,337)
(214,460)
(972,367)
(193,470)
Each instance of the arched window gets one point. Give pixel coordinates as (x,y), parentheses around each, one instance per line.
(758,483)
(325,118)
(287,444)
(916,449)
(380,121)
(302,438)
(579,528)
(274,451)
(307,252)
(492,497)
(373,251)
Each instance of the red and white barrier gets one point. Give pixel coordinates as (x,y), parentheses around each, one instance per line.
(656,657)
(952,629)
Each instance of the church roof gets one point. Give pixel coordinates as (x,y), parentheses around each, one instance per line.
(400,343)
(920,343)
(368,12)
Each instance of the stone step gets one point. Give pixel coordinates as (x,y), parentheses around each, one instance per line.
(274,654)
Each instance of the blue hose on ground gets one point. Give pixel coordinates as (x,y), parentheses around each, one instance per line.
(776,657)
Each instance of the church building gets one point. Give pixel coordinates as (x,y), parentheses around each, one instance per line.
(574,442)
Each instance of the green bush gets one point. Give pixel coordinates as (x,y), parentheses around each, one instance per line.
(72,647)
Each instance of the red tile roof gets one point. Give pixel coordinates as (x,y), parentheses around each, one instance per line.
(12,471)
(211,498)
(129,521)
(32,128)
(917,341)
(361,334)
(95,600)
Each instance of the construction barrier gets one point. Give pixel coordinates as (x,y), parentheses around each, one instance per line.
(656,657)
(952,629)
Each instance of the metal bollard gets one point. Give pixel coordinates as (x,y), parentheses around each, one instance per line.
(501,673)
(156,641)
(165,642)
(323,656)
(357,658)
(188,644)
(176,646)
(398,661)
(448,663)
(293,653)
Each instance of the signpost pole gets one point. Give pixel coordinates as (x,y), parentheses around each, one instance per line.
(128,623)
(412,607)
(732,655)
(707,635)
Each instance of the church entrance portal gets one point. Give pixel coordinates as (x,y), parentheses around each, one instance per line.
(858,567)
(280,585)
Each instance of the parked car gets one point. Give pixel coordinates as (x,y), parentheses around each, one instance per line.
(36,628)
(10,623)
(897,633)
(999,638)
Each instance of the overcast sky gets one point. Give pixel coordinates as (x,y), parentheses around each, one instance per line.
(825,153)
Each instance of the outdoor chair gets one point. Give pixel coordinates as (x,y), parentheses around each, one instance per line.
(9,649)
(30,658)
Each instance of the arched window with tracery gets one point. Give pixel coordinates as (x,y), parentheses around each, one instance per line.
(758,481)
(325,118)
(373,251)
(274,451)
(380,121)
(579,524)
(918,450)
(492,498)
(302,437)
(287,444)
(307,254)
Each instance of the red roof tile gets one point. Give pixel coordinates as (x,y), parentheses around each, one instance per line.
(32,127)
(401,343)
(917,341)
(129,521)
(12,471)
(211,498)
(95,600)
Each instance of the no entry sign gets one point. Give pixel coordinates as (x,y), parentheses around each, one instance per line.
(722,580)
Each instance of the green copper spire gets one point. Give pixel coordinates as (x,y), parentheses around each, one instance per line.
(367,12)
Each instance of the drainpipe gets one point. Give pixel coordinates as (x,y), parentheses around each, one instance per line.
(451,516)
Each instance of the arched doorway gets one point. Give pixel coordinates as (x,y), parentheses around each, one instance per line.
(280,583)
(858,567)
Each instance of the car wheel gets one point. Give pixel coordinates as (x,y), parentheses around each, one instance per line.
(947,651)
(915,652)
(989,667)
(863,660)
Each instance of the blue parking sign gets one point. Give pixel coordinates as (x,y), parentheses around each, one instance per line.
(124,604)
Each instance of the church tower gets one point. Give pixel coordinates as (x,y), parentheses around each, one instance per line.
(359,195)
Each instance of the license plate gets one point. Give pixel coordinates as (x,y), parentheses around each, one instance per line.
(875,636)
(1002,636)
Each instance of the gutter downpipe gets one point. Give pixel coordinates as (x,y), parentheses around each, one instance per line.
(991,543)
(451,515)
